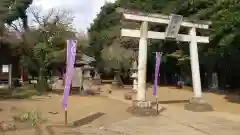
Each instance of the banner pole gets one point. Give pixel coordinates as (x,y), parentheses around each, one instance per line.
(157,66)
(71,54)
(65,111)
(157,105)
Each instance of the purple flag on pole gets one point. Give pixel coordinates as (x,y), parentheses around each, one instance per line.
(71,53)
(157,66)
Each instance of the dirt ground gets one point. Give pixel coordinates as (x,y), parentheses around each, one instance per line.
(179,97)
(93,111)
(99,110)
(221,102)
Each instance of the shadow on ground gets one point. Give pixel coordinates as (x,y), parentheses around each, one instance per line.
(229,95)
(234,98)
(171,102)
(75,91)
(75,124)
(87,120)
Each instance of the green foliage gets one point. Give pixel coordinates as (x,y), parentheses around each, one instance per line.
(46,46)
(22,92)
(221,55)
(11,10)
(104,40)
(112,59)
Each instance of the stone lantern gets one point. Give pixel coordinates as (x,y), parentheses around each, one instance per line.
(87,72)
(82,73)
(134,76)
(116,83)
(97,78)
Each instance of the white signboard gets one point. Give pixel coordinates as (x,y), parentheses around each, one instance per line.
(77,79)
(174,26)
(5,68)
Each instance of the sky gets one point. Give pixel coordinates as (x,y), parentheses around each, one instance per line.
(84,11)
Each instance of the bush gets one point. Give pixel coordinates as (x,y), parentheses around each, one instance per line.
(23,92)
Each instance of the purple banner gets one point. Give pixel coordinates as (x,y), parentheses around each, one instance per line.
(71,53)
(157,66)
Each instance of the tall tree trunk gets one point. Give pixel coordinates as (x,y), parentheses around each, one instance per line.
(26,28)
(25,21)
(42,84)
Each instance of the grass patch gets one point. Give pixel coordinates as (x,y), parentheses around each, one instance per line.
(22,92)
(30,119)
(33,117)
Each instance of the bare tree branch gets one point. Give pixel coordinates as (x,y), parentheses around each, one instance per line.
(17,26)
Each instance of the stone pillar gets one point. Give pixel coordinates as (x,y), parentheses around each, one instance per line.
(197,104)
(135,76)
(135,84)
(87,80)
(142,62)
(214,81)
(10,76)
(195,65)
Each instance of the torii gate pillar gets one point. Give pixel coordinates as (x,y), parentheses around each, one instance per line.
(197,90)
(142,62)
(196,104)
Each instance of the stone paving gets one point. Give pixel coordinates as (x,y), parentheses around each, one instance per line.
(168,126)
(176,120)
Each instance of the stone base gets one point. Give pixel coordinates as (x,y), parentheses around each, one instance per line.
(89,93)
(141,104)
(116,85)
(134,92)
(97,81)
(142,111)
(83,93)
(198,105)
(142,108)
(128,96)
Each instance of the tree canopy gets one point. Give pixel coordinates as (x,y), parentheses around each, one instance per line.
(11,10)
(220,55)
(42,49)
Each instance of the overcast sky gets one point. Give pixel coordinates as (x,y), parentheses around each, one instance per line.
(84,11)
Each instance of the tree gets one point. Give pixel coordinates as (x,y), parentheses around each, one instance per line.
(47,44)
(104,40)
(219,56)
(13,9)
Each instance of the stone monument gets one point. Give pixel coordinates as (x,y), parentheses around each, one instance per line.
(214,81)
(87,78)
(82,73)
(77,81)
(97,78)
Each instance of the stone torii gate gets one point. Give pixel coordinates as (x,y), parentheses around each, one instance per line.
(143,34)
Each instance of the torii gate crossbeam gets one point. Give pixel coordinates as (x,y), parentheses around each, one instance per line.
(143,34)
